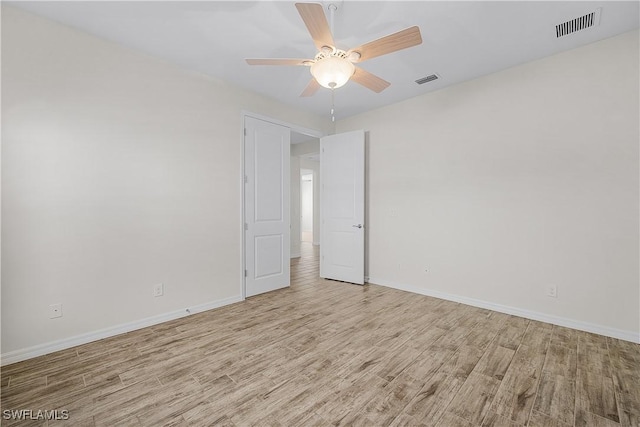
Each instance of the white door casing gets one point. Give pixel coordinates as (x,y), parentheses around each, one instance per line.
(267,226)
(342,204)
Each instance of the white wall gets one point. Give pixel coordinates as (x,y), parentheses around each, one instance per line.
(295,207)
(306,202)
(310,147)
(119,171)
(306,148)
(315,168)
(505,184)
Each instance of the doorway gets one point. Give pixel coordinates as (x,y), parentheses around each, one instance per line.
(266,225)
(305,165)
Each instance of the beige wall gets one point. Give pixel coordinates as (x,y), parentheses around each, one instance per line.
(295,206)
(505,184)
(299,150)
(119,171)
(315,167)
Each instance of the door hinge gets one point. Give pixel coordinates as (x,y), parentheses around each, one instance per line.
(245,273)
(245,131)
(246,226)
(246,179)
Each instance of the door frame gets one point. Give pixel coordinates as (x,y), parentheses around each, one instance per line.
(315,133)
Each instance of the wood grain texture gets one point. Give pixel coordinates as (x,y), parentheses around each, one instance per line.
(595,394)
(393,42)
(314,18)
(328,353)
(369,80)
(494,420)
(495,361)
(538,419)
(450,420)
(311,88)
(556,397)
(474,398)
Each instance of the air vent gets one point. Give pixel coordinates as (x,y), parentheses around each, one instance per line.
(589,20)
(427,79)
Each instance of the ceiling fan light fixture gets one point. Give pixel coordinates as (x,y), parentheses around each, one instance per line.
(332,72)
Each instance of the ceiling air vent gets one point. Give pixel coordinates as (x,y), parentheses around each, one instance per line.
(427,79)
(589,20)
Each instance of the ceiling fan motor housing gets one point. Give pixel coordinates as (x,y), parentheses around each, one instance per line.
(332,70)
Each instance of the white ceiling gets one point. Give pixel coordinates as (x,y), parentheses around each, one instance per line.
(461,40)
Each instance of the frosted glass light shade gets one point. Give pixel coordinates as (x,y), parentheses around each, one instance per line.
(332,71)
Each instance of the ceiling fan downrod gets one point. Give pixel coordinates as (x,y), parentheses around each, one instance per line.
(332,10)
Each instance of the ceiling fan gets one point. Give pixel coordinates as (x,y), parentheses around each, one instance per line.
(332,67)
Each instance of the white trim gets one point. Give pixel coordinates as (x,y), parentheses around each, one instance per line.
(528,314)
(243,172)
(315,133)
(295,255)
(65,343)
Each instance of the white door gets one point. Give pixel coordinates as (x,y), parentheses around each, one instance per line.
(267,240)
(342,204)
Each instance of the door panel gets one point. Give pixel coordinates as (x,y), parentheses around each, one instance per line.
(342,204)
(268,164)
(268,255)
(267,233)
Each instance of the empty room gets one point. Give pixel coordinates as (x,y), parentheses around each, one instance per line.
(270,213)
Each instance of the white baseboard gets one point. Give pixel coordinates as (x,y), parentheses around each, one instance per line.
(295,255)
(65,343)
(528,314)
(316,243)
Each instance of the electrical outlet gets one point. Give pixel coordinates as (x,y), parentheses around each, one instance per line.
(158,290)
(55,310)
(552,291)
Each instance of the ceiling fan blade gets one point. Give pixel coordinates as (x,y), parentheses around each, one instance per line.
(278,61)
(393,42)
(311,88)
(314,18)
(370,81)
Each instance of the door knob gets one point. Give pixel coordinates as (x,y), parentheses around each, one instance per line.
(357,225)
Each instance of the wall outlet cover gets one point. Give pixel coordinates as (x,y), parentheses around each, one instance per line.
(158,290)
(55,310)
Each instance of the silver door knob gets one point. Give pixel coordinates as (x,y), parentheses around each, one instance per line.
(357,226)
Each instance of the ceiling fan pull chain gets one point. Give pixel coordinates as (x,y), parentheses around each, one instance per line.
(333,107)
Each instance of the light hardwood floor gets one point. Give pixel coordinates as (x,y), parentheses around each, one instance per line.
(323,352)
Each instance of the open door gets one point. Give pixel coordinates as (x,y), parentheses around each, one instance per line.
(267,233)
(342,205)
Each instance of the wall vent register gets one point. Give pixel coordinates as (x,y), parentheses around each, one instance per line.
(427,79)
(587,21)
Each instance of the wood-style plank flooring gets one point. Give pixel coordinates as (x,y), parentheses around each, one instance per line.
(330,353)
